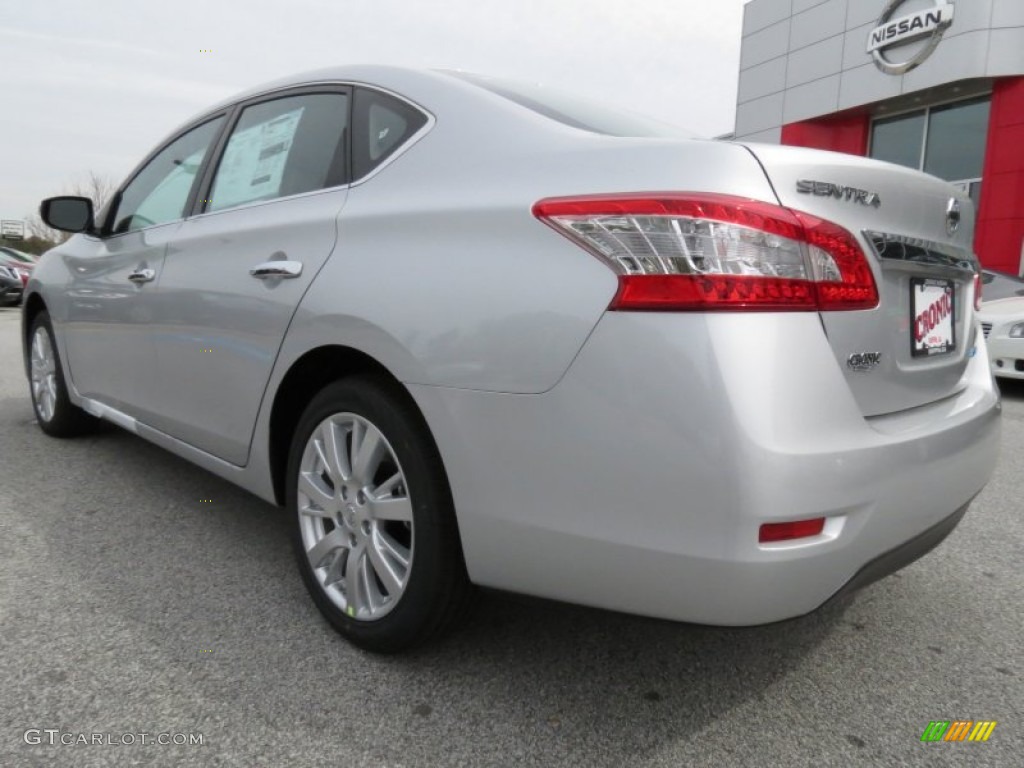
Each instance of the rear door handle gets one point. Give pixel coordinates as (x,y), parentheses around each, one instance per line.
(142,275)
(280,269)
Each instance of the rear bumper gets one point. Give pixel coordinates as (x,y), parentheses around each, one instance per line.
(903,555)
(640,481)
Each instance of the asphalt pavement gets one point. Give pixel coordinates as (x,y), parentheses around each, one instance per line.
(130,605)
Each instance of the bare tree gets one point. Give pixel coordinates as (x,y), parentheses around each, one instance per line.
(39,231)
(96,186)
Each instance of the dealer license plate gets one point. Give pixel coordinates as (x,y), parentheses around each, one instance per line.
(932,317)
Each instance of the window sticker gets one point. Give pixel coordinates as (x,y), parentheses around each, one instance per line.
(254,161)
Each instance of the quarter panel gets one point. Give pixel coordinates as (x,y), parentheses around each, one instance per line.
(442,253)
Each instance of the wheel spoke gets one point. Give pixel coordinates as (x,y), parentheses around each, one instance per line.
(367,453)
(385,571)
(321,455)
(368,585)
(392,549)
(309,485)
(354,588)
(337,454)
(387,488)
(322,514)
(392,508)
(336,570)
(336,539)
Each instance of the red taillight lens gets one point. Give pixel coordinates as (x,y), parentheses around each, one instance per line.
(977,291)
(798,529)
(684,252)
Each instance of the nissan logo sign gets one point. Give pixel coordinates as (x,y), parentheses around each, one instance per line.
(896,31)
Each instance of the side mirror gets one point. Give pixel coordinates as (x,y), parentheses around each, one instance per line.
(68,214)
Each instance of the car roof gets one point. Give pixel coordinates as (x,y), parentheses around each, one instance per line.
(433,90)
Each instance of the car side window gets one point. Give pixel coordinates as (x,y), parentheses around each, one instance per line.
(283,147)
(381,124)
(159,192)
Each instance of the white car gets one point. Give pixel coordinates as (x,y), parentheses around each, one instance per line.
(1002,322)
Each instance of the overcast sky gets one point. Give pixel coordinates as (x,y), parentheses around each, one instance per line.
(92,86)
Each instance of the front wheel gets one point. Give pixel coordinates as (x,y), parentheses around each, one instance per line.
(374,525)
(55,413)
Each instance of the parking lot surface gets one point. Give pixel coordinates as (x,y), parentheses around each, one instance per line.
(139,594)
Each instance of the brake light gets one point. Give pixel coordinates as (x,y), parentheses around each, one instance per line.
(798,529)
(676,252)
(977,291)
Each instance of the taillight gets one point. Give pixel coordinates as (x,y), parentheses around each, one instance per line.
(685,252)
(977,291)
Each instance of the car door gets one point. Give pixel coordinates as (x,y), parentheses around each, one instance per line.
(112,277)
(235,273)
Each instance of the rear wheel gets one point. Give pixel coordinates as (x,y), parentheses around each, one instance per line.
(374,525)
(55,412)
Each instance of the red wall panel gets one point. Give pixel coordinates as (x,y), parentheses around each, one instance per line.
(848,133)
(1000,229)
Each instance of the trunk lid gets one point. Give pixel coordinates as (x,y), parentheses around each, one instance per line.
(891,356)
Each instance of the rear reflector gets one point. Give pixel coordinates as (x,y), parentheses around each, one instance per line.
(697,252)
(798,529)
(977,291)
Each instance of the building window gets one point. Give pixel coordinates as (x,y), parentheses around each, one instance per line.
(898,139)
(956,140)
(947,141)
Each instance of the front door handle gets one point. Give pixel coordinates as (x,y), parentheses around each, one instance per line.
(142,275)
(280,269)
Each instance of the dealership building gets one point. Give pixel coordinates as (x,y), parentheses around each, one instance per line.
(935,85)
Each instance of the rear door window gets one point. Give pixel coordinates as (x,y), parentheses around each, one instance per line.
(283,147)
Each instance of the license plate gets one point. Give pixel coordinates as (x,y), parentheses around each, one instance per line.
(932,315)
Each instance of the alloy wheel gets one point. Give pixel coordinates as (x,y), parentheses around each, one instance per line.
(43,371)
(355,516)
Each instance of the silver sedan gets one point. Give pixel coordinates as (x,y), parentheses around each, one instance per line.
(472,332)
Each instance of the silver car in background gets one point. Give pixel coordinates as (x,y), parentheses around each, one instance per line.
(473,332)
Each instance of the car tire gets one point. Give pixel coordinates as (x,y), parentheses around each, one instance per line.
(56,415)
(380,556)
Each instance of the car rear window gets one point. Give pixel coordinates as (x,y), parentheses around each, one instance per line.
(575,111)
